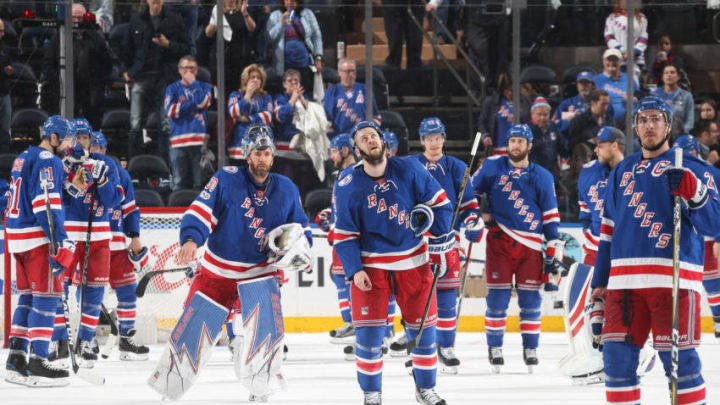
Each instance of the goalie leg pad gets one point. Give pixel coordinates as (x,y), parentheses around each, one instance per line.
(446,301)
(529,302)
(343,294)
(190,346)
(691,385)
(259,366)
(496,315)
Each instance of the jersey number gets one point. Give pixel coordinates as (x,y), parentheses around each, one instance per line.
(12,208)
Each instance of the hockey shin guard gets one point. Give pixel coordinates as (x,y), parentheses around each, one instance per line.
(19,337)
(343,294)
(126,308)
(92,299)
(712,287)
(391,317)
(40,324)
(691,385)
(446,302)
(424,356)
(189,348)
(622,384)
(496,315)
(529,302)
(369,357)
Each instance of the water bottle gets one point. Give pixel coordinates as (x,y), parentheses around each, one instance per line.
(340,50)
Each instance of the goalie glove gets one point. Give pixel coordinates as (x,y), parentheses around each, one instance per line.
(139,260)
(323,220)
(421,219)
(597,317)
(474,228)
(289,248)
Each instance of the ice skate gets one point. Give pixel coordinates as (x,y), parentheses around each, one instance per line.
(86,358)
(716,320)
(372,398)
(285,352)
(428,396)
(349,351)
(409,366)
(61,354)
(343,335)
(95,346)
(131,351)
(385,345)
(258,398)
(16,368)
(398,348)
(42,373)
(530,357)
(495,356)
(448,360)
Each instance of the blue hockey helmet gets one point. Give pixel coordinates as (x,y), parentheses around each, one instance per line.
(82,126)
(98,139)
(365,124)
(652,103)
(340,141)
(688,143)
(258,137)
(431,125)
(57,124)
(391,140)
(521,131)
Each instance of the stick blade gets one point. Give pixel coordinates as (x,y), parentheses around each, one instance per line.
(90,377)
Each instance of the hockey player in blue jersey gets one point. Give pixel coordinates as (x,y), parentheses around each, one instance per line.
(384,207)
(253,223)
(522,202)
(344,102)
(125,259)
(36,180)
(711,273)
(634,266)
(449,172)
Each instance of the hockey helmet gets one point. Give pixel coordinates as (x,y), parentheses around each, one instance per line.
(431,125)
(258,137)
(521,131)
(390,140)
(652,103)
(82,126)
(688,143)
(340,141)
(365,124)
(57,124)
(98,139)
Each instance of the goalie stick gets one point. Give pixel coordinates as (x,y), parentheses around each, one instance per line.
(143,283)
(83,373)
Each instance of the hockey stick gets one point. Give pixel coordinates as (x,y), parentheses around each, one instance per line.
(112,339)
(83,373)
(466,270)
(86,259)
(674,353)
(413,343)
(143,283)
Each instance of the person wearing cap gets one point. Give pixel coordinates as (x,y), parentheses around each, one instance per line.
(573,106)
(523,206)
(37,178)
(449,172)
(586,125)
(633,276)
(254,225)
(548,143)
(614,82)
(384,209)
(680,100)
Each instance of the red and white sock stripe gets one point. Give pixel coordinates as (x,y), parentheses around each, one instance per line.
(424,361)
(60,320)
(36,334)
(125,315)
(532,327)
(20,332)
(623,395)
(692,396)
(343,304)
(89,321)
(495,324)
(446,323)
(369,367)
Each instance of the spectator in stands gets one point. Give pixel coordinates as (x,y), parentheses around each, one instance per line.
(186,103)
(571,107)
(92,65)
(151,53)
(708,110)
(344,102)
(285,109)
(248,106)
(496,116)
(6,73)
(547,143)
(260,12)
(706,132)
(616,26)
(400,28)
(663,56)
(188,10)
(295,36)
(103,10)
(237,28)
(680,101)
(585,126)
(486,32)
(614,82)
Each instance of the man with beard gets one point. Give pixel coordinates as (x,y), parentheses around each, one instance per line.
(254,226)
(634,266)
(384,207)
(36,180)
(522,202)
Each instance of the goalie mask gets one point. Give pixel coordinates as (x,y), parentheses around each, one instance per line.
(258,137)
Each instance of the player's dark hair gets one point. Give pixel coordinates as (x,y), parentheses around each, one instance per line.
(673,64)
(299,8)
(595,95)
(702,126)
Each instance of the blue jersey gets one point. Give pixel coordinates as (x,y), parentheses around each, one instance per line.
(346,108)
(372,227)
(592,183)
(124,217)
(283,115)
(258,111)
(233,214)
(77,210)
(572,104)
(636,246)
(521,201)
(504,120)
(186,107)
(449,172)
(617,90)
(26,216)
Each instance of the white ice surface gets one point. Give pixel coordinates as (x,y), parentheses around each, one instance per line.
(317,374)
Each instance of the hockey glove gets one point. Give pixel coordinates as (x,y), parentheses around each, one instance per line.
(74,157)
(191,269)
(289,248)
(421,219)
(323,220)
(99,172)
(474,228)
(442,253)
(554,254)
(684,183)
(597,317)
(64,257)
(139,260)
